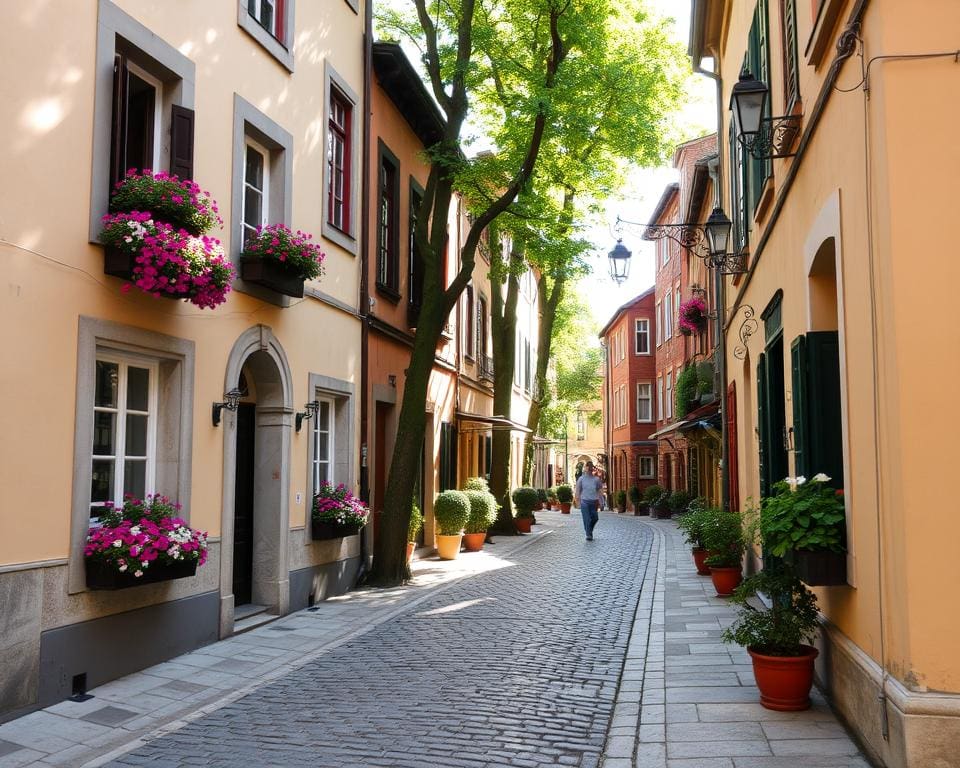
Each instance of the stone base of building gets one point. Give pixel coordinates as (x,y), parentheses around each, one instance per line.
(923,729)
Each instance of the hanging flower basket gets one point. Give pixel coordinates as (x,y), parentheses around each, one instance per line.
(281,260)
(337,513)
(692,316)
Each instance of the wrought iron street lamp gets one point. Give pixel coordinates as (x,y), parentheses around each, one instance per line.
(763,137)
(718,234)
(619,259)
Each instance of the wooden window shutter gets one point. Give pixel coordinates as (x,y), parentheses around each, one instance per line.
(762,407)
(118,128)
(824,418)
(791,67)
(733,460)
(181,141)
(798,364)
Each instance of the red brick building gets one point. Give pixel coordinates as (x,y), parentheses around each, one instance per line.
(629,395)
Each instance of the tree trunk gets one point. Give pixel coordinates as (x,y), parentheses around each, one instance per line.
(504,326)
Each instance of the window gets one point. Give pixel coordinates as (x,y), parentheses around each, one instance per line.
(791,69)
(527,367)
(518,361)
(388,244)
(667,317)
(668,395)
(581,426)
(135,140)
(448,456)
(338,161)
(124,429)
(646,468)
(415,277)
(270,23)
(255,189)
(644,402)
(323,435)
(482,329)
(659,326)
(665,248)
(676,305)
(470,336)
(659,398)
(642,337)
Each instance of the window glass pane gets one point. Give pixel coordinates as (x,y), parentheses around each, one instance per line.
(254,173)
(104,432)
(324,415)
(107,374)
(138,389)
(136,439)
(323,446)
(135,477)
(252,207)
(101,486)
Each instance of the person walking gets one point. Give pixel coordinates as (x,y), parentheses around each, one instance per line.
(587,498)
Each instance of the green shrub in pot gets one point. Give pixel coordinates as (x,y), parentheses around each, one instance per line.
(722,533)
(525,500)
(416,522)
(564,494)
(803,515)
(451,509)
(483,511)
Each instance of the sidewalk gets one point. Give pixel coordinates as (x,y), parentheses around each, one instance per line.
(688,700)
(125,713)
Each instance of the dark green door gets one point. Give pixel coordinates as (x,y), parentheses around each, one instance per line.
(243,505)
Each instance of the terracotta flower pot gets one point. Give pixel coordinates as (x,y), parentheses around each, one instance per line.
(699,559)
(725,580)
(411,545)
(523,524)
(448,547)
(473,542)
(784,681)
(565,507)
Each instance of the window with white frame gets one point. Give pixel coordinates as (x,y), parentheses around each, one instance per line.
(256,186)
(667,317)
(641,344)
(264,12)
(644,401)
(124,429)
(646,467)
(666,249)
(659,398)
(676,306)
(659,326)
(668,395)
(323,437)
(581,426)
(623,405)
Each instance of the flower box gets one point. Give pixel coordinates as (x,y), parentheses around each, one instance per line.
(819,568)
(104,575)
(323,530)
(117,263)
(273,275)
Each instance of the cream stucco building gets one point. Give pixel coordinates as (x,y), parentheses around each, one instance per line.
(840,334)
(261,103)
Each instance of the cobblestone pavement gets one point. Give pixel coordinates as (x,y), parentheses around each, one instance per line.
(514,667)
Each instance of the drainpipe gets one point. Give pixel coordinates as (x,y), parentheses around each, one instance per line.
(364,298)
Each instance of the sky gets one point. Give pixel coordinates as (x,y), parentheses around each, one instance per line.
(642,191)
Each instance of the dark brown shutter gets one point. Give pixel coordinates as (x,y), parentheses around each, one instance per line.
(181,141)
(118,129)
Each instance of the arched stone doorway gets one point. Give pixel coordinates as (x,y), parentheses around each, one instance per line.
(254,567)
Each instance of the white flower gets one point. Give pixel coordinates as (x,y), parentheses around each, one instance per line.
(135,530)
(791,481)
(118,543)
(801,480)
(138,574)
(145,563)
(821,478)
(123,568)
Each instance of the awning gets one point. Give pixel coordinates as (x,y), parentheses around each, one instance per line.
(706,418)
(668,430)
(495,422)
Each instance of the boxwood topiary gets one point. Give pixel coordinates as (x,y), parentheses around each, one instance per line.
(451,511)
(476,484)
(564,494)
(416,522)
(525,500)
(483,511)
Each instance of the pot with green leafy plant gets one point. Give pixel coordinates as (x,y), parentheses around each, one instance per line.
(451,510)
(723,535)
(524,501)
(635,498)
(692,524)
(678,502)
(413,529)
(803,522)
(661,507)
(565,497)
(483,512)
(777,635)
(651,496)
(542,496)
(552,499)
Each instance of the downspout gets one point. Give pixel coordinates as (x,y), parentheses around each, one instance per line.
(695,51)
(364,298)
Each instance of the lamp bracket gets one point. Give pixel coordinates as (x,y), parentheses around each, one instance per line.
(776,135)
(231,403)
(688,235)
(309,411)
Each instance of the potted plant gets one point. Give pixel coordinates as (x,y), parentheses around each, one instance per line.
(678,502)
(451,510)
(661,507)
(413,529)
(281,260)
(620,499)
(552,499)
(777,634)
(337,513)
(651,497)
(803,522)
(565,497)
(483,513)
(525,500)
(141,542)
(692,524)
(636,500)
(542,496)
(722,533)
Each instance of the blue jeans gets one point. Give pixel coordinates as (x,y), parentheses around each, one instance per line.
(588,509)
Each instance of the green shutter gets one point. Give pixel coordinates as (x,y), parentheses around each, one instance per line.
(798,361)
(824,417)
(758,62)
(764,436)
(791,66)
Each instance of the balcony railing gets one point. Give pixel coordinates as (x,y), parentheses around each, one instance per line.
(485,365)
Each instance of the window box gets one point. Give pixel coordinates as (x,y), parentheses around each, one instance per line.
(819,568)
(322,530)
(102,575)
(273,275)
(116,263)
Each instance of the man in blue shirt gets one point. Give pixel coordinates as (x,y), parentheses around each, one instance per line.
(587,498)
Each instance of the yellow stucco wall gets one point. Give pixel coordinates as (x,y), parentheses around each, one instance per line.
(899,339)
(53,275)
